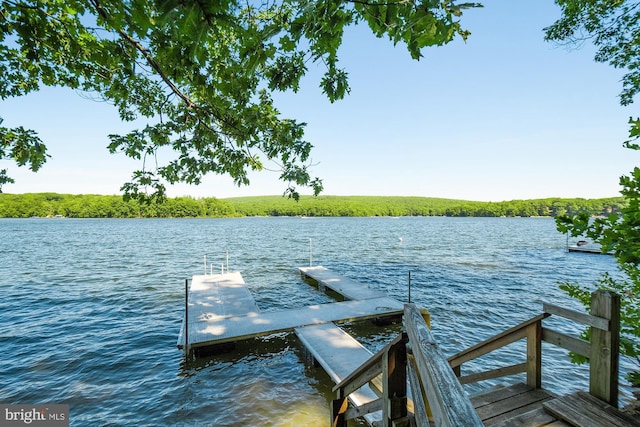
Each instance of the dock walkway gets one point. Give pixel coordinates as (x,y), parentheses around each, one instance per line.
(222,310)
(339,354)
(212,330)
(348,288)
(213,298)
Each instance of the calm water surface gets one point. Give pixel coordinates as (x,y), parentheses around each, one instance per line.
(91,309)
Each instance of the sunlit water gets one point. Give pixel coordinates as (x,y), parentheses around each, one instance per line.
(91,309)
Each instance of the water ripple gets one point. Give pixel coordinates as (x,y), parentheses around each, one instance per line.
(91,309)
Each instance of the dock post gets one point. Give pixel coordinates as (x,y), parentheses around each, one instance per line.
(534,354)
(186,318)
(605,348)
(394,385)
(338,407)
(409,287)
(310,255)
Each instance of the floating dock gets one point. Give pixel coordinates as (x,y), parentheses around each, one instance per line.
(348,288)
(587,250)
(340,354)
(221,310)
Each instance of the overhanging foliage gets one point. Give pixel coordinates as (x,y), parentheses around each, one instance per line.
(199,74)
(614,29)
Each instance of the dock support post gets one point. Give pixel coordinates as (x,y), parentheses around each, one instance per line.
(186,318)
(338,408)
(534,355)
(394,385)
(310,254)
(605,348)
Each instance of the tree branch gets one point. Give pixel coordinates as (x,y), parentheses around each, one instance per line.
(147,55)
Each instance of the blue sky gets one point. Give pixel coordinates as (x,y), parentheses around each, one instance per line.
(503,116)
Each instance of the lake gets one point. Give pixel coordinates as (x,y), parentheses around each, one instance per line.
(91,309)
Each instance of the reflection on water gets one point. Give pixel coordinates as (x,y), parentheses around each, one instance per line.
(91,309)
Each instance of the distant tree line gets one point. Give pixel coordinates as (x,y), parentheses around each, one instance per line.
(98,206)
(419,206)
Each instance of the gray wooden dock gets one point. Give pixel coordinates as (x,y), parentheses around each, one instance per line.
(348,288)
(339,354)
(222,310)
(213,298)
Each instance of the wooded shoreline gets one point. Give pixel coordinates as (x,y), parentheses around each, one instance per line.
(100,206)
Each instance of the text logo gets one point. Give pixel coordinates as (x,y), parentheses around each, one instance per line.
(34,415)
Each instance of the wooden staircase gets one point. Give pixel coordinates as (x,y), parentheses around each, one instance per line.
(413,361)
(521,405)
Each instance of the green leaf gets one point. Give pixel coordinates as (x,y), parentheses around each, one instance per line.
(197,75)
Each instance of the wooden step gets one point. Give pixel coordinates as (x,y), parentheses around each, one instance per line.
(582,409)
(505,406)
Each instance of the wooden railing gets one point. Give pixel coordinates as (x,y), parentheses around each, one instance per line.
(436,382)
(602,350)
(435,388)
(390,363)
(431,377)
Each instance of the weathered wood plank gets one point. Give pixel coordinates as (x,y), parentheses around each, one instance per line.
(367,370)
(421,411)
(338,410)
(584,318)
(567,342)
(605,346)
(513,406)
(582,409)
(394,384)
(365,410)
(567,412)
(611,411)
(521,410)
(534,418)
(487,346)
(448,401)
(493,373)
(534,354)
(497,394)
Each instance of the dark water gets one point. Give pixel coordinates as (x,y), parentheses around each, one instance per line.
(91,309)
